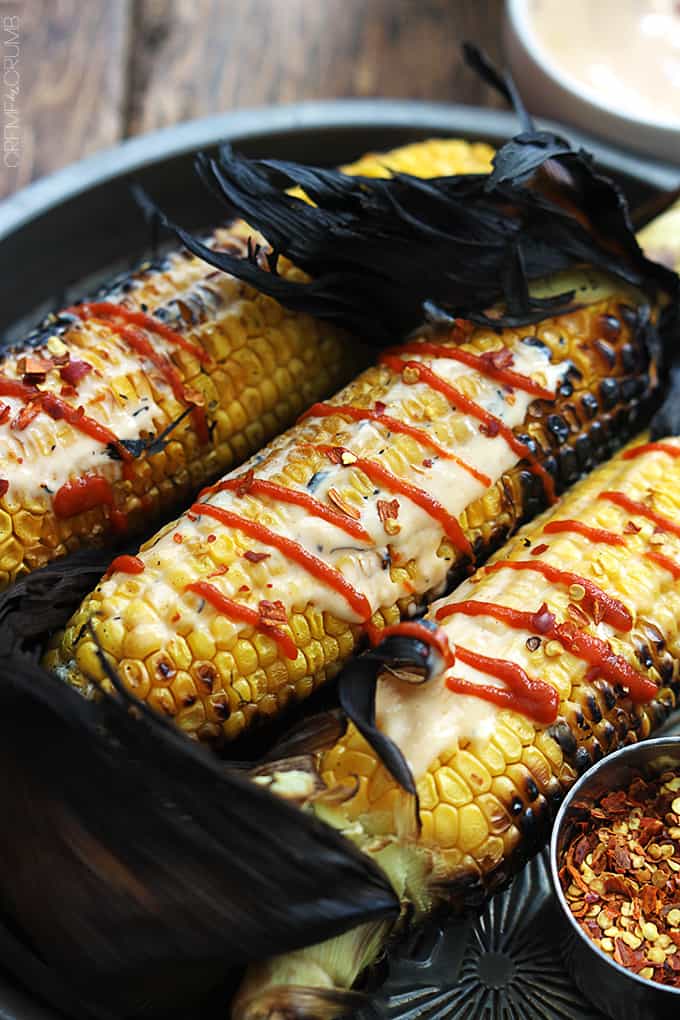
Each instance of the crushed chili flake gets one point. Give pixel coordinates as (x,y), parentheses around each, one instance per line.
(334,454)
(538,549)
(32,368)
(336,499)
(25,416)
(74,371)
(272,612)
(498,359)
(245,482)
(621,875)
(255,557)
(388,508)
(4,486)
(177,538)
(379,407)
(218,573)
(630,528)
(428,462)
(490,429)
(4,413)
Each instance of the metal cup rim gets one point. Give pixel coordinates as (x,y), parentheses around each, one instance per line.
(582,782)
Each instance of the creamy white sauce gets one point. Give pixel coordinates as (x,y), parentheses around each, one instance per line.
(626,53)
(427,720)
(418,539)
(37,464)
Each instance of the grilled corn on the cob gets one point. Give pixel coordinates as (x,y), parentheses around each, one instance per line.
(601,645)
(98,385)
(372,504)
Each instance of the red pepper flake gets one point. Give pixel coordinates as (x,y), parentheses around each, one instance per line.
(4,413)
(218,573)
(498,359)
(428,462)
(244,587)
(67,391)
(212,538)
(379,407)
(192,517)
(538,549)
(4,486)
(245,482)
(26,415)
(342,505)
(334,454)
(177,538)
(621,875)
(255,557)
(388,509)
(631,528)
(272,613)
(490,429)
(74,371)
(33,369)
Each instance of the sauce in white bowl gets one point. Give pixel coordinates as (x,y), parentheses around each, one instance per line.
(611,67)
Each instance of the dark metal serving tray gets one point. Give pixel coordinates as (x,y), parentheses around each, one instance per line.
(61,237)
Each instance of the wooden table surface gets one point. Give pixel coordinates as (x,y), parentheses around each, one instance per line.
(93,72)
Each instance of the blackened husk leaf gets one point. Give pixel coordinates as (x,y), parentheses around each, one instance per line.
(134,865)
(378,250)
(357,689)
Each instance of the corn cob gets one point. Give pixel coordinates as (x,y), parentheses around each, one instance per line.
(660,239)
(197,338)
(402,485)
(489,776)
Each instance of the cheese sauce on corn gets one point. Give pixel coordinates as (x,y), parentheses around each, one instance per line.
(429,720)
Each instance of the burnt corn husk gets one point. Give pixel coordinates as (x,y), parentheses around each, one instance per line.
(147,853)
(181,415)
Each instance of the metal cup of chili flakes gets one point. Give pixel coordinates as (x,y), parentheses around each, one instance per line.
(615,871)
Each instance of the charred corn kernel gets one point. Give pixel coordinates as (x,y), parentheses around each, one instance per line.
(332,457)
(501,787)
(264,364)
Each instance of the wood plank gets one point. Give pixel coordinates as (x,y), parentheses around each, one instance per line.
(195,57)
(72,88)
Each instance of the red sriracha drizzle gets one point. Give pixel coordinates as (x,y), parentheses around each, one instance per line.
(243,614)
(135,339)
(483,363)
(580,643)
(294,551)
(109,310)
(577,527)
(664,561)
(633,507)
(660,447)
(282,494)
(59,410)
(377,473)
(437,639)
(534,698)
(126,565)
(612,611)
(81,494)
(394,425)
(493,425)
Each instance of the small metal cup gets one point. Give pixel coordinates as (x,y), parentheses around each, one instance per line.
(616,991)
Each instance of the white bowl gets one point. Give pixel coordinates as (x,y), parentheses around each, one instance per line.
(549,92)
